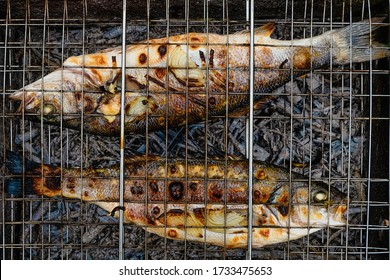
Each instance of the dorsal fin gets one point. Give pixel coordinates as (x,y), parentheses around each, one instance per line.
(264,30)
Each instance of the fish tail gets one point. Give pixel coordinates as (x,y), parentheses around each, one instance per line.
(16,165)
(355,43)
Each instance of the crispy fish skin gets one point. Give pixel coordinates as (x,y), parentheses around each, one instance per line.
(177,80)
(195,200)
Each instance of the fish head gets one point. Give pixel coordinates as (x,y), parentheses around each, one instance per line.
(318,205)
(64,92)
(137,106)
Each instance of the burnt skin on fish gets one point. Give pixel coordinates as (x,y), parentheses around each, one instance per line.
(194,200)
(176,80)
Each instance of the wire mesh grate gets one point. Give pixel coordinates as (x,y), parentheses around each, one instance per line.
(330,125)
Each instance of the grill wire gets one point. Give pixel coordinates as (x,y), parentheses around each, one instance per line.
(331,124)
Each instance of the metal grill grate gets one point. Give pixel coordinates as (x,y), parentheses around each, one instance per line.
(330,125)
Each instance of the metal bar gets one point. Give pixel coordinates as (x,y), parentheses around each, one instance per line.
(82,109)
(251,120)
(291,120)
(3,201)
(311,118)
(349,136)
(369,141)
(122,135)
(330,122)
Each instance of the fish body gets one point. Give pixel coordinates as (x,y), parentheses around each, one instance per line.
(182,79)
(203,201)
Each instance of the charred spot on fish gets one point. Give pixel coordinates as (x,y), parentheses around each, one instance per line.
(261,174)
(176,190)
(173,169)
(256,195)
(217,193)
(238,232)
(78,96)
(145,102)
(212,58)
(212,101)
(283,210)
(175,212)
(193,186)
(200,235)
(136,190)
(202,57)
(156,210)
(54,183)
(69,184)
(283,63)
(150,221)
(86,193)
(88,104)
(172,233)
(160,74)
(162,50)
(262,219)
(264,232)
(153,186)
(72,180)
(142,58)
(199,213)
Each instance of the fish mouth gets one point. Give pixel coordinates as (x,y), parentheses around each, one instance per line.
(351,211)
(342,214)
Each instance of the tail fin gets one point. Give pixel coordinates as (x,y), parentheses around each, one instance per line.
(15,185)
(353,43)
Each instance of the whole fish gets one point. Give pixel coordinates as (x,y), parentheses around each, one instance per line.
(183,79)
(197,200)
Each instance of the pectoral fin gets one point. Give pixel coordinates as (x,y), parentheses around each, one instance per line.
(184,69)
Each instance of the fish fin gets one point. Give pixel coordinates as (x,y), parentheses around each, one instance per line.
(197,101)
(17,95)
(217,220)
(184,69)
(233,157)
(16,187)
(142,158)
(359,35)
(265,30)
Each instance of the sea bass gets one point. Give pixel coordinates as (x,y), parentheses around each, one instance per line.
(182,79)
(197,200)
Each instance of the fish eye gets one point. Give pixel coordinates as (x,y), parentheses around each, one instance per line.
(48,109)
(320,196)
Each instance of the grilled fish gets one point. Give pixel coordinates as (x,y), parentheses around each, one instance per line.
(194,200)
(180,79)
